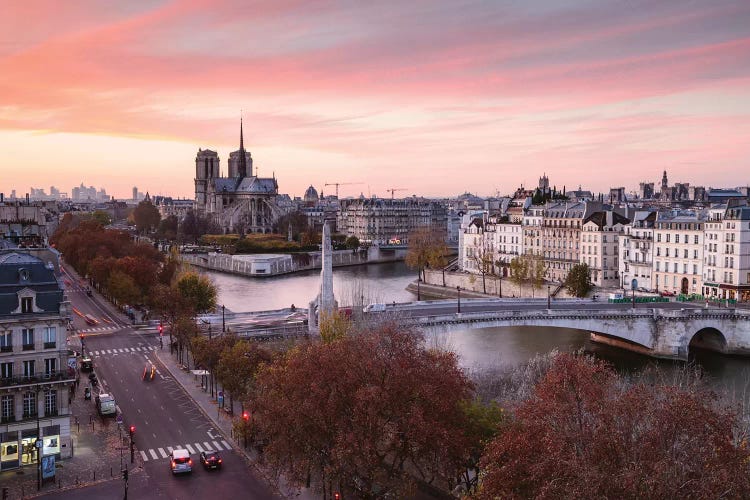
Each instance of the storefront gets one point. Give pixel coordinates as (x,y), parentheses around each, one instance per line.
(19,448)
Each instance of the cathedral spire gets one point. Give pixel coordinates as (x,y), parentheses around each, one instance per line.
(242,169)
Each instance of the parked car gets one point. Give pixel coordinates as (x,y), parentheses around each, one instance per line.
(211,459)
(180,462)
(87,365)
(105,404)
(667,293)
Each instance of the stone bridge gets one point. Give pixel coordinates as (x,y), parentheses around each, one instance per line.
(661,333)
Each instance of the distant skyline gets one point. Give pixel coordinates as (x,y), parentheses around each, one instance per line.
(435,97)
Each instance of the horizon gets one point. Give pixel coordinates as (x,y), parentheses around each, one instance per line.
(441,98)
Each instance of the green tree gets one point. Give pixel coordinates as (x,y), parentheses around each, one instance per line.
(528,268)
(123,288)
(578,281)
(102,217)
(197,293)
(482,423)
(352,242)
(168,228)
(237,367)
(146,217)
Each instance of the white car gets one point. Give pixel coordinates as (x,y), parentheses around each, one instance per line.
(374,308)
(180,462)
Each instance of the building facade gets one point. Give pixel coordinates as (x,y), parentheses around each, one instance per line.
(726,270)
(636,245)
(678,259)
(561,236)
(599,246)
(35,372)
(386,221)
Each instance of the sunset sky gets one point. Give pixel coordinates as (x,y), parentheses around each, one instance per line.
(437,97)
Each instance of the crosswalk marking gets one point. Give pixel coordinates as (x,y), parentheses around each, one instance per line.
(218,446)
(162,453)
(208,446)
(198,447)
(153,454)
(190,448)
(170,449)
(226,445)
(145,457)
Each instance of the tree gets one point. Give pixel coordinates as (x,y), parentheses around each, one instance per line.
(237,367)
(527,268)
(168,228)
(197,293)
(578,281)
(102,217)
(482,257)
(366,411)
(586,433)
(482,423)
(334,325)
(123,288)
(146,217)
(426,245)
(352,243)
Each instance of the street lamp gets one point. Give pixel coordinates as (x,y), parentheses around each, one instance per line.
(458,289)
(418,294)
(223,320)
(549,298)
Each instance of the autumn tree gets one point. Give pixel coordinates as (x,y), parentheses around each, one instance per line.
(578,281)
(528,268)
(168,228)
(123,288)
(102,217)
(363,412)
(586,433)
(237,367)
(352,242)
(197,293)
(427,248)
(146,217)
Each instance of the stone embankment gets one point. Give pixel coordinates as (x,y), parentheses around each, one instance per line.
(439,284)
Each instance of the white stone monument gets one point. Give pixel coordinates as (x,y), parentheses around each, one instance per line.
(325,301)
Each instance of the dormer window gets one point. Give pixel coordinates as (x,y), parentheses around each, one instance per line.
(23,274)
(27,305)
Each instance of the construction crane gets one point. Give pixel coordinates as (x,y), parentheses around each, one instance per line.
(393,191)
(337,184)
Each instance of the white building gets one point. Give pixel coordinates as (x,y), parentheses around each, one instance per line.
(726,270)
(35,371)
(636,252)
(678,257)
(533,219)
(599,246)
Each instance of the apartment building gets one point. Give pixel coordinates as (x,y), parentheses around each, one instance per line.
(532,230)
(678,257)
(636,251)
(385,221)
(561,236)
(726,262)
(35,371)
(599,246)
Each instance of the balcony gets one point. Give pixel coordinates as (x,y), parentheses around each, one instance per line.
(7,419)
(28,347)
(38,378)
(6,348)
(53,412)
(50,345)
(30,414)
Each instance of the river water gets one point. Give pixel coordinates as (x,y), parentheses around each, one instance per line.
(476,348)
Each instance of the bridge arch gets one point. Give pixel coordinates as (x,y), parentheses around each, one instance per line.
(708,339)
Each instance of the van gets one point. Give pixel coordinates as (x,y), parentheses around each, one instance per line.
(105,404)
(374,308)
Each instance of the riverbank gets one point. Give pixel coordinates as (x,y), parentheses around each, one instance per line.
(268,265)
(444,283)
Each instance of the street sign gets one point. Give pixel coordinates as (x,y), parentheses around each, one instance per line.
(39,443)
(119,419)
(634,284)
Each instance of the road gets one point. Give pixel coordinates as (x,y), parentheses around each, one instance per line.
(163,414)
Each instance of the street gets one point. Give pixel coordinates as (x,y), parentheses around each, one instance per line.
(164,415)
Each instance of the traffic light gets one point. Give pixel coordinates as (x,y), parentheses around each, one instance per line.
(125,474)
(245,416)
(337,496)
(131,430)
(161,329)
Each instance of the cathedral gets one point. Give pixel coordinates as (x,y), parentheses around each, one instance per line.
(240,202)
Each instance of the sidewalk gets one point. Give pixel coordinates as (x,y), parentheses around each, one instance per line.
(223,422)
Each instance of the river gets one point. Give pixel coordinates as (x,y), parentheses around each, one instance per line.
(476,348)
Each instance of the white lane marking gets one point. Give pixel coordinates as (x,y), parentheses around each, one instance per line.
(145,457)
(153,454)
(218,446)
(162,453)
(198,447)
(170,449)
(226,445)
(190,449)
(109,351)
(95,353)
(208,446)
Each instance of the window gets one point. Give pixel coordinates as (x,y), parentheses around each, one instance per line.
(28,339)
(685,254)
(6,370)
(29,405)
(8,407)
(6,341)
(28,368)
(676,238)
(50,404)
(695,268)
(50,366)
(50,336)
(695,240)
(26,305)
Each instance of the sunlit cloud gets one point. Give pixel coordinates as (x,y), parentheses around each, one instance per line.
(440,96)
